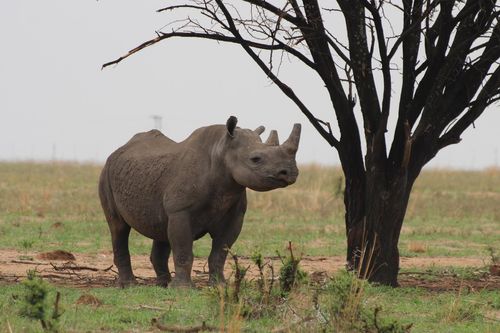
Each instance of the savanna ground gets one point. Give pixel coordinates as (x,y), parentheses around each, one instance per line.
(449,266)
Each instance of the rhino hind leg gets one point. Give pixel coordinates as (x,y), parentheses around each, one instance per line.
(120,232)
(159,258)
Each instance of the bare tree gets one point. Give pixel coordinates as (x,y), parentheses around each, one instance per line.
(444,54)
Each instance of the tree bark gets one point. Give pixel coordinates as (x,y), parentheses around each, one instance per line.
(372,237)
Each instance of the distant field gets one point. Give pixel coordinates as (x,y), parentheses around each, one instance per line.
(454,214)
(451,213)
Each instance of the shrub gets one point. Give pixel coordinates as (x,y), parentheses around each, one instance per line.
(35,306)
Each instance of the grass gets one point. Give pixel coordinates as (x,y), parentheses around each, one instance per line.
(49,206)
(439,312)
(119,310)
(451,213)
(133,309)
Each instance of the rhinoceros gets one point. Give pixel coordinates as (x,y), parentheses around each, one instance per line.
(175,193)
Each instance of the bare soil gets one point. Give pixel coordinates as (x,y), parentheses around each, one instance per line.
(90,271)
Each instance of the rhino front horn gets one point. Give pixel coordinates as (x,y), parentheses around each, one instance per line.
(292,143)
(273,139)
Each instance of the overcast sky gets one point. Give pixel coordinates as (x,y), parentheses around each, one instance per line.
(55,102)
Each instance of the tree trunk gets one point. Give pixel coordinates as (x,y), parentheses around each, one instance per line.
(372,237)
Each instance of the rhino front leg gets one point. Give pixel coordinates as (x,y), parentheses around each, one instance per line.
(159,258)
(220,245)
(216,262)
(181,241)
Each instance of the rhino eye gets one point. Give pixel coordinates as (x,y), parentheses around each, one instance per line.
(256,159)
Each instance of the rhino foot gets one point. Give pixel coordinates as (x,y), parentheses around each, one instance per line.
(125,283)
(177,283)
(163,281)
(215,281)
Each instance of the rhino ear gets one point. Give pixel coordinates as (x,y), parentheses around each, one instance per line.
(259,130)
(231,125)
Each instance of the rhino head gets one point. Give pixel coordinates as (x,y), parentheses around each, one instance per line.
(261,166)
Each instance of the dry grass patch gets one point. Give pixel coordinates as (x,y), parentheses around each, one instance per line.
(417,247)
(317,193)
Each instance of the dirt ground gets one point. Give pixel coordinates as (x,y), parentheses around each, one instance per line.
(90,271)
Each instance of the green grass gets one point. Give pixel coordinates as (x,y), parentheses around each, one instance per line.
(439,312)
(133,309)
(120,310)
(451,213)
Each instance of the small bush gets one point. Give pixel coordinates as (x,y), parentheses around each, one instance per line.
(35,303)
(290,273)
(460,310)
(343,308)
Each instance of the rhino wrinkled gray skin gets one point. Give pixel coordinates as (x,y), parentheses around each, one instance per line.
(175,193)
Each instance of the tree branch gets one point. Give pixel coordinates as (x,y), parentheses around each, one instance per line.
(415,24)
(214,36)
(181,6)
(488,95)
(297,10)
(445,98)
(297,21)
(284,88)
(443,28)
(315,36)
(386,71)
(458,94)
(337,50)
(412,19)
(362,69)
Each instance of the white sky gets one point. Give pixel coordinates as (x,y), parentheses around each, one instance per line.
(56,102)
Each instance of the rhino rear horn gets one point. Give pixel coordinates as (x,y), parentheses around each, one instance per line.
(259,130)
(273,139)
(231,125)
(292,143)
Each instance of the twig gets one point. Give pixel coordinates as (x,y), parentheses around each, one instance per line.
(28,262)
(53,276)
(10,278)
(239,275)
(182,329)
(271,285)
(327,124)
(147,307)
(428,273)
(107,269)
(69,266)
(8,326)
(260,266)
(213,36)
(143,279)
(56,314)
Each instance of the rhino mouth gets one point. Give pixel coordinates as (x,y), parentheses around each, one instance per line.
(278,181)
